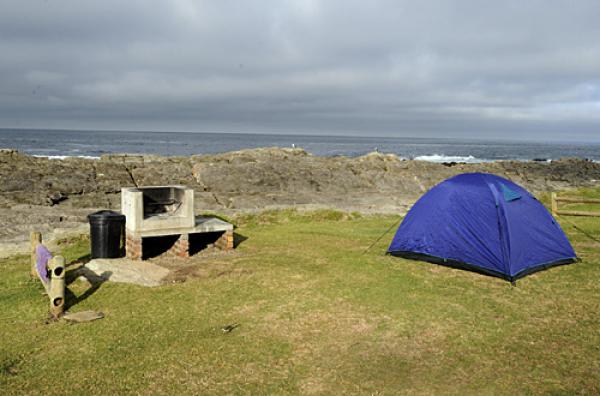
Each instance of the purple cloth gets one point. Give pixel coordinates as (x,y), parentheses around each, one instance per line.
(42,257)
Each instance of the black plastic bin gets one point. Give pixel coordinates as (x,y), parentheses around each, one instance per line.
(106,232)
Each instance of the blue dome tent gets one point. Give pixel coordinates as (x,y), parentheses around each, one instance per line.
(484,223)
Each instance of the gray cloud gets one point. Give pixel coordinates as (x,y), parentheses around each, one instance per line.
(430,68)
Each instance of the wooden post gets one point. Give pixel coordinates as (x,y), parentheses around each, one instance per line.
(35,239)
(57,286)
(554,204)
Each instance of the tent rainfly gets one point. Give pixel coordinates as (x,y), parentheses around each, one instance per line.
(485,223)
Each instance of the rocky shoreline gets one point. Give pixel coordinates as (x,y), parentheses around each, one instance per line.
(49,194)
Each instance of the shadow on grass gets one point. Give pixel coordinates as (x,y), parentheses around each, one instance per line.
(71,299)
(77,269)
(238,239)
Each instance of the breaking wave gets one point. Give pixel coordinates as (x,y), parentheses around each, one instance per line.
(62,157)
(449,158)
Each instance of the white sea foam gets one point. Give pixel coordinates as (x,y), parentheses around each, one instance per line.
(449,158)
(62,157)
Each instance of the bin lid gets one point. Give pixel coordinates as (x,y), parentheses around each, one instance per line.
(106,215)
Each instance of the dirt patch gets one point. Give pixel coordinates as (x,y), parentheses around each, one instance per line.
(589,245)
(342,337)
(209,263)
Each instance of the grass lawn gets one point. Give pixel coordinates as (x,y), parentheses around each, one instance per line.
(316,316)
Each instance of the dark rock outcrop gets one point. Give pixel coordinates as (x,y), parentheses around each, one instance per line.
(40,191)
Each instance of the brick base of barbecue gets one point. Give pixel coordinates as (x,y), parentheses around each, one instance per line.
(225,241)
(133,247)
(181,247)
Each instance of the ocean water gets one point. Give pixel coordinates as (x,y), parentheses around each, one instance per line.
(61,143)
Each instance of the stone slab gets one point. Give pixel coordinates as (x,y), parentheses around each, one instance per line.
(211,224)
(203,224)
(83,316)
(124,270)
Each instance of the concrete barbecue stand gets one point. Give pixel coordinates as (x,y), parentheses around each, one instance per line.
(162,211)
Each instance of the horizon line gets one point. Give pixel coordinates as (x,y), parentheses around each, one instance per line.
(306,134)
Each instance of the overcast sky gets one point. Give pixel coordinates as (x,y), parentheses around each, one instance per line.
(490,69)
